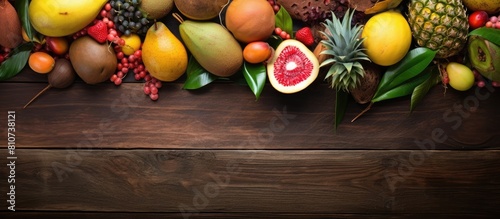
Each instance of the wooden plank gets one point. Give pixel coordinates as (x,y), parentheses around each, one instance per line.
(227,116)
(258,181)
(114,215)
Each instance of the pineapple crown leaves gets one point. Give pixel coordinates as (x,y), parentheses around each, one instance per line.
(344,46)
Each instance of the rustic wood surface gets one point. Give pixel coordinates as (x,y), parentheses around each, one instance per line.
(101,151)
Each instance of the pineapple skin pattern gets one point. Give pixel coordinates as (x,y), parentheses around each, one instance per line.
(440,25)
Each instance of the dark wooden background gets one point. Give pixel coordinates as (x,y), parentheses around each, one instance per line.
(102,151)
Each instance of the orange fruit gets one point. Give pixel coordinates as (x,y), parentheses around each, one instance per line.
(41,62)
(257,52)
(250,20)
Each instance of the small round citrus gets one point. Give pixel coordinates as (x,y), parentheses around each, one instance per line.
(41,62)
(387,38)
(132,43)
(257,52)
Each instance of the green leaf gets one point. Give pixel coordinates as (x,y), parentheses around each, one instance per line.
(22,11)
(490,34)
(284,21)
(409,67)
(422,89)
(403,89)
(341,100)
(197,76)
(16,62)
(256,76)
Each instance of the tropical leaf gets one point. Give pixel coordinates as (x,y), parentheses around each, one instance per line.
(422,89)
(284,21)
(256,76)
(403,89)
(341,100)
(16,62)
(197,76)
(410,66)
(22,11)
(490,34)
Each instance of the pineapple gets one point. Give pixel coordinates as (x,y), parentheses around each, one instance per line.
(440,25)
(345,52)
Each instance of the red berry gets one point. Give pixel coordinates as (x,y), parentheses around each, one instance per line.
(147,90)
(111,24)
(99,31)
(153,97)
(137,77)
(278,31)
(113,77)
(119,74)
(142,74)
(107,7)
(118,81)
(158,84)
(481,84)
(283,34)
(478,19)
(305,36)
(138,53)
(154,90)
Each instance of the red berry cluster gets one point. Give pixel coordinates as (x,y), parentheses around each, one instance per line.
(112,36)
(276,6)
(126,64)
(133,63)
(284,35)
(494,22)
(151,87)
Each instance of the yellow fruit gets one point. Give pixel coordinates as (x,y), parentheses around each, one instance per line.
(461,77)
(41,62)
(163,55)
(132,43)
(387,38)
(250,20)
(61,17)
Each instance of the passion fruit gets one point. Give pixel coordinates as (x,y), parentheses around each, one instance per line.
(250,20)
(293,67)
(92,61)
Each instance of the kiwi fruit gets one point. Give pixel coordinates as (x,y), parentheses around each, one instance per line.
(93,62)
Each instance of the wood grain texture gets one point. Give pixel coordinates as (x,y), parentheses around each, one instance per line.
(227,116)
(114,215)
(258,181)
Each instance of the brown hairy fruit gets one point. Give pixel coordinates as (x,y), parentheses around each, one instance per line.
(10,26)
(200,9)
(92,61)
(368,84)
(250,20)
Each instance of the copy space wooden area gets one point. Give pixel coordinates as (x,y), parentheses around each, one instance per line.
(101,151)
